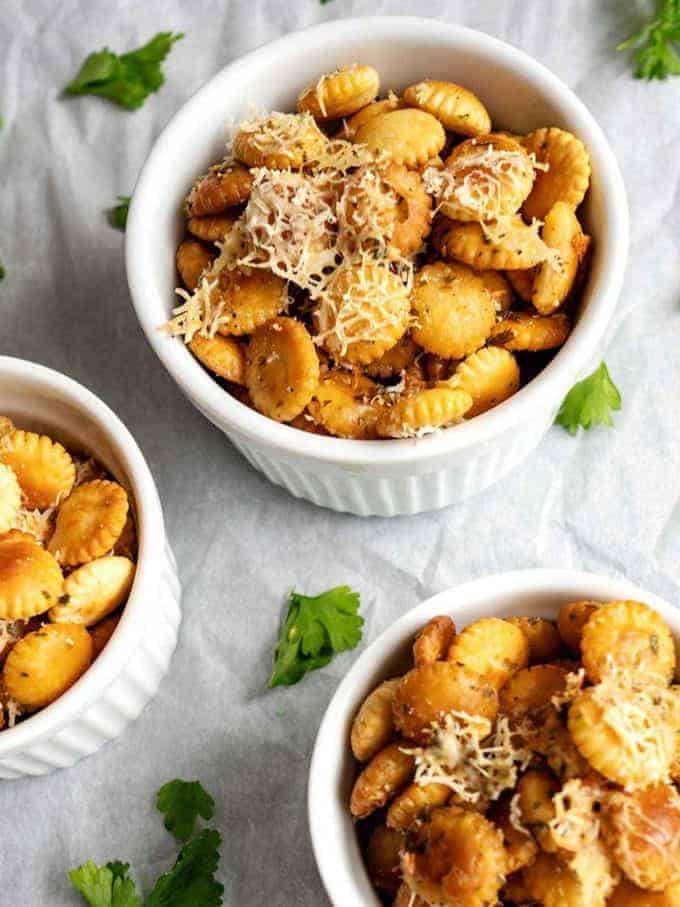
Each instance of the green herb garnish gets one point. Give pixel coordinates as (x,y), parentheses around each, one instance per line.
(590,402)
(656,56)
(127,79)
(182,802)
(118,215)
(191,881)
(314,630)
(105,886)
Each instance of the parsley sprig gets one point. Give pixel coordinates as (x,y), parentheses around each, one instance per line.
(126,79)
(656,56)
(191,881)
(118,215)
(314,630)
(182,802)
(105,886)
(590,402)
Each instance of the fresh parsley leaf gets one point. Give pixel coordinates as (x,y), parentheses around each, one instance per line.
(590,402)
(182,802)
(105,886)
(119,870)
(191,881)
(656,57)
(118,215)
(314,630)
(127,79)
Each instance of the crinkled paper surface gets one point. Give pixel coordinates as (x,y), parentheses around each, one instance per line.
(606,501)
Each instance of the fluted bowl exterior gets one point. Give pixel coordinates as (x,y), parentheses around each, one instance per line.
(127,673)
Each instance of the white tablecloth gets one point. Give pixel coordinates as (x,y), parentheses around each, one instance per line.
(607,501)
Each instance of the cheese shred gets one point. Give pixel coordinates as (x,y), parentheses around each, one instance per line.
(476,760)
(305,226)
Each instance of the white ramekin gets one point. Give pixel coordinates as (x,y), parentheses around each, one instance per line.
(115,689)
(333,769)
(376,477)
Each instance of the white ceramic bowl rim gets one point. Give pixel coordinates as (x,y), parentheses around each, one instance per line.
(151,531)
(551,384)
(471,599)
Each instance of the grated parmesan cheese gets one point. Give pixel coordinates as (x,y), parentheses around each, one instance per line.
(419,893)
(386,391)
(417,433)
(472,185)
(515,816)
(86,470)
(471,757)
(366,214)
(198,314)
(9,633)
(576,822)
(14,711)
(38,523)
(359,305)
(289,227)
(338,157)
(573,685)
(303,226)
(644,716)
(280,134)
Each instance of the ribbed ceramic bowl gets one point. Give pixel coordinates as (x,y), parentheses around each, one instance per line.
(537,593)
(115,689)
(375,477)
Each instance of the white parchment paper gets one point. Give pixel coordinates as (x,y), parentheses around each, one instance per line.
(607,501)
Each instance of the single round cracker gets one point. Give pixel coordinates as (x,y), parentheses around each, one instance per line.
(567,176)
(282,368)
(340,93)
(423,412)
(43,467)
(489,376)
(408,136)
(506,245)
(279,141)
(453,310)
(342,405)
(365,313)
(30,577)
(192,259)
(223,356)
(93,591)
(457,108)
(45,663)
(89,522)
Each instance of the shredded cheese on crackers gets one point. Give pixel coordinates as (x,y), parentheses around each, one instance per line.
(576,821)
(573,685)
(470,756)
